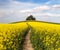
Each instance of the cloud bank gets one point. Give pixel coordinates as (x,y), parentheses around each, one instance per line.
(17,10)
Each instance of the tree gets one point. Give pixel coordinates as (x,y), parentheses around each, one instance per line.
(30,18)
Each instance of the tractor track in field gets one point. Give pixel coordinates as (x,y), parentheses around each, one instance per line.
(27,43)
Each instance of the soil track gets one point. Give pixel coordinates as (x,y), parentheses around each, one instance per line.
(27,44)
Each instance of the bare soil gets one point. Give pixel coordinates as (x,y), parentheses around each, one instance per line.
(27,43)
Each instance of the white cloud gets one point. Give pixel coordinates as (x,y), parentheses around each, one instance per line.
(42,8)
(26,11)
(36,9)
(46,15)
(20,9)
(33,11)
(56,7)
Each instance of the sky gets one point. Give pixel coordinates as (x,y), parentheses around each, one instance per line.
(18,10)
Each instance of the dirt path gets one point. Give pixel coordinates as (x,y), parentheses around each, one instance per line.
(27,43)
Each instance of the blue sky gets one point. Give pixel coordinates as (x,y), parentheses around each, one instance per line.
(34,1)
(18,10)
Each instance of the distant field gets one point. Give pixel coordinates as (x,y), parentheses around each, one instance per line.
(37,21)
(43,36)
